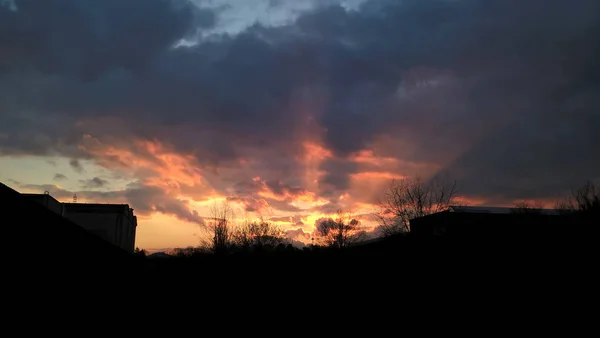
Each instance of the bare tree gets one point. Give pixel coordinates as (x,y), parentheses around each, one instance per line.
(258,235)
(587,197)
(220,227)
(584,199)
(528,207)
(341,232)
(190,251)
(408,198)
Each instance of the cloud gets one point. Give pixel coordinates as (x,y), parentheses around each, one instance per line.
(298,237)
(500,94)
(13,181)
(76,165)
(103,41)
(297,233)
(329,208)
(292,220)
(145,199)
(263,196)
(59,177)
(55,190)
(95,182)
(9,5)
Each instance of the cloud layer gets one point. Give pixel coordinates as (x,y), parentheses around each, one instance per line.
(321,108)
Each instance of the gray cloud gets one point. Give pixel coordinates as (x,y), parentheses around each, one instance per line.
(54,190)
(261,196)
(95,182)
(336,177)
(77,166)
(503,94)
(104,37)
(59,177)
(329,208)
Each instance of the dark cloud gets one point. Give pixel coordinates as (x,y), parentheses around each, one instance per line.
(263,205)
(110,34)
(281,189)
(251,203)
(503,94)
(148,198)
(76,165)
(322,220)
(336,176)
(257,195)
(59,177)
(284,205)
(95,182)
(328,208)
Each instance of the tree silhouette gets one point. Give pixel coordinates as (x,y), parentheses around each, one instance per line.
(407,198)
(258,235)
(341,232)
(527,207)
(585,199)
(220,227)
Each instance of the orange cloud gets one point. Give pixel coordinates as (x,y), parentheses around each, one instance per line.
(368,156)
(159,165)
(369,175)
(181,178)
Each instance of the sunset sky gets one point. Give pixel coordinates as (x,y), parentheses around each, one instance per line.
(292,109)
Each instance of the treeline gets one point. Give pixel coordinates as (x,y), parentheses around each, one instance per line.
(402,201)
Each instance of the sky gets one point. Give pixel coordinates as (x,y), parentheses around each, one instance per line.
(293,109)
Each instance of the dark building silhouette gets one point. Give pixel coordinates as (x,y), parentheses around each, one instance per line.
(115,223)
(503,226)
(40,241)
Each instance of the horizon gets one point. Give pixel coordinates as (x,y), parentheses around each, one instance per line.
(292,110)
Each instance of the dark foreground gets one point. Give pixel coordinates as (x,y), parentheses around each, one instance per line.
(48,261)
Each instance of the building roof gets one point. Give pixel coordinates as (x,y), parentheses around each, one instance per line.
(97,207)
(497,210)
(44,195)
(74,205)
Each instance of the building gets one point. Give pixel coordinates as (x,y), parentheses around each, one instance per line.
(115,223)
(498,225)
(503,210)
(42,244)
(48,201)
